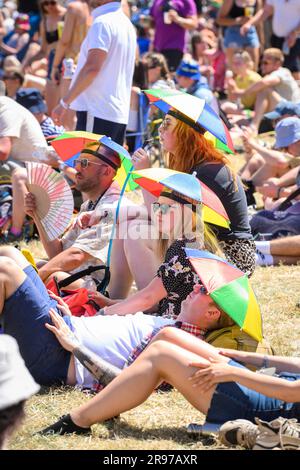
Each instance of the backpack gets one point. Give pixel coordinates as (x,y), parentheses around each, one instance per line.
(232,337)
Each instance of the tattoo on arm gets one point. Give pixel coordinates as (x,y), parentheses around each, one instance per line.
(102,370)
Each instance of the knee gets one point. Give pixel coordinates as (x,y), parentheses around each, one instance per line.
(168,333)
(9,252)
(7,266)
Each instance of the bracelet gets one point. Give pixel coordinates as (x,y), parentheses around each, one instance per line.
(63,104)
(265,363)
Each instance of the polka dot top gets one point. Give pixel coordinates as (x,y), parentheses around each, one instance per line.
(178,277)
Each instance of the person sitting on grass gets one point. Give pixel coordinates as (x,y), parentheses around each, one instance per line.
(215,382)
(27,307)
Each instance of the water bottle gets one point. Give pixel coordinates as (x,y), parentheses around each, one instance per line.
(285,48)
(89,284)
(205,429)
(68,65)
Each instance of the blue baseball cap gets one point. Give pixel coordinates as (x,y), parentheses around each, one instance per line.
(287,132)
(32,100)
(189,69)
(284,107)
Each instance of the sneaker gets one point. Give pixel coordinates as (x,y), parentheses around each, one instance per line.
(239,432)
(262,259)
(280,433)
(64,425)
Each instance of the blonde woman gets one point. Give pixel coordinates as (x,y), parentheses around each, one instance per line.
(177,224)
(186,149)
(244,76)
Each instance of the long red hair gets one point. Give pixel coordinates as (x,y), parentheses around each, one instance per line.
(192,149)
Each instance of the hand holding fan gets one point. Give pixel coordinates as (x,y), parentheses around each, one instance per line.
(54,198)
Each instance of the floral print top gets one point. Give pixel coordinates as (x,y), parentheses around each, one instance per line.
(178,277)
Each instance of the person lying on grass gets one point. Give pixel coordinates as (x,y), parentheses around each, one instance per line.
(215,382)
(27,307)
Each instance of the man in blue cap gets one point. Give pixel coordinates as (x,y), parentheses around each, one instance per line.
(189,78)
(267,164)
(32,100)
(282,110)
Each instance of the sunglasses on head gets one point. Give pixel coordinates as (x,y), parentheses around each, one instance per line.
(84,163)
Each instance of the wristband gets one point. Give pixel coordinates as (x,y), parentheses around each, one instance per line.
(63,104)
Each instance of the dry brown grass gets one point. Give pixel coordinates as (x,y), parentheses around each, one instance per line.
(160,423)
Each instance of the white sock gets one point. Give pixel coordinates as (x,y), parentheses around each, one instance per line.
(264,260)
(263,246)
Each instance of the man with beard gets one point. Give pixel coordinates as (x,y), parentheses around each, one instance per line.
(80,247)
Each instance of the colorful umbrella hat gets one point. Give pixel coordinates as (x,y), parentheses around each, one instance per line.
(69,145)
(230,289)
(197,112)
(155,179)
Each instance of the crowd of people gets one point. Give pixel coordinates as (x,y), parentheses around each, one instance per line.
(179,88)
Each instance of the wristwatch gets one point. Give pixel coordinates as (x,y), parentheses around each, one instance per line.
(64,104)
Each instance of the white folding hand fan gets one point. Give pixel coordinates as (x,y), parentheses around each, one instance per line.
(54,198)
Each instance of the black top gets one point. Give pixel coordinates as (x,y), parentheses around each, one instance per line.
(236,11)
(219,179)
(178,277)
(51,36)
(28,6)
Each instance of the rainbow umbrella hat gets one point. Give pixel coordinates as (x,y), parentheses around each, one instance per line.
(69,145)
(230,289)
(155,179)
(197,112)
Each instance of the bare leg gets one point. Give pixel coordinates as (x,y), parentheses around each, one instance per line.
(253,165)
(51,95)
(15,255)
(265,172)
(161,361)
(69,120)
(61,275)
(229,52)
(254,53)
(11,277)
(287,246)
(186,341)
(287,260)
(121,277)
(266,100)
(140,252)
(19,178)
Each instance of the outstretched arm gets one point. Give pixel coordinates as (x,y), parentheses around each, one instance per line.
(142,300)
(206,378)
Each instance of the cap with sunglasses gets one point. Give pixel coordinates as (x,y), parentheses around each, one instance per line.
(284,107)
(95,149)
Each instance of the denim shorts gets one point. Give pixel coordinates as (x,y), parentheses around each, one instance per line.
(234,401)
(24,316)
(234,39)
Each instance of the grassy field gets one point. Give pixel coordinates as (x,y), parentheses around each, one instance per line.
(161,422)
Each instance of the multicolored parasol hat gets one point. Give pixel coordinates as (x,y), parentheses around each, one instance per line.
(155,179)
(197,112)
(230,289)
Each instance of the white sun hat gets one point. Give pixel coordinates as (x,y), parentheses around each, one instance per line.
(16,382)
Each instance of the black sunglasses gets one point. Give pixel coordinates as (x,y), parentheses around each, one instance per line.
(84,163)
